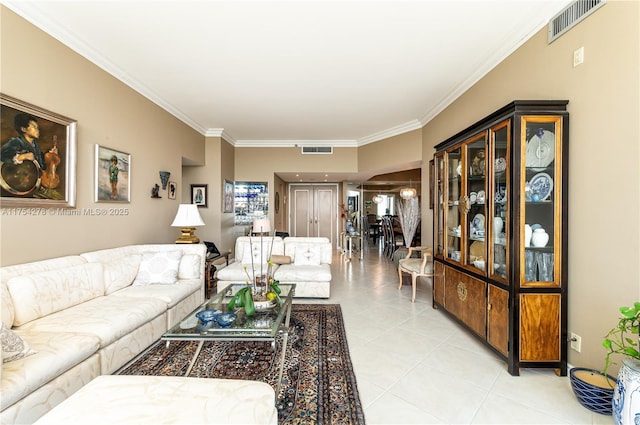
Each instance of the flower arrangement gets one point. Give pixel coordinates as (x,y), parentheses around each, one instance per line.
(259,288)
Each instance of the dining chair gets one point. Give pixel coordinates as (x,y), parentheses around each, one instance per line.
(422,266)
(393,239)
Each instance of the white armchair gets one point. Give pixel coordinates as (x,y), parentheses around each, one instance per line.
(422,266)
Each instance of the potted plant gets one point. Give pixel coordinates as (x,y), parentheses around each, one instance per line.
(624,340)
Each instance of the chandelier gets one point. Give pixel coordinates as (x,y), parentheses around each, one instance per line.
(408,193)
(377,199)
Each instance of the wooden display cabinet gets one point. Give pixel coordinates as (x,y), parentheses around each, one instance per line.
(500,232)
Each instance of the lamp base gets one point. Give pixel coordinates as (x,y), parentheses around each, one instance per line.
(188,235)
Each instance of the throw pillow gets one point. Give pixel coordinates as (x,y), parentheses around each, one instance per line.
(189,267)
(307,255)
(13,347)
(158,268)
(280,259)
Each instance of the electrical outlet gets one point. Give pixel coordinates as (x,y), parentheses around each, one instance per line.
(578,56)
(576,342)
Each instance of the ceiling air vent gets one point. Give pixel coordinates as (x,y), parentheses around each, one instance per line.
(317,150)
(571,15)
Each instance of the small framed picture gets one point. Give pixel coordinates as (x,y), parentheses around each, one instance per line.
(199,195)
(227,202)
(112,175)
(171,190)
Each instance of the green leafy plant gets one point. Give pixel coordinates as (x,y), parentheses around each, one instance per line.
(623,339)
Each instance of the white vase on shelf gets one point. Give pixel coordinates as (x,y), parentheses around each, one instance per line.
(539,238)
(498,224)
(527,235)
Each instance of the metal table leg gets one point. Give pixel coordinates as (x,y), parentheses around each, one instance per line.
(195,356)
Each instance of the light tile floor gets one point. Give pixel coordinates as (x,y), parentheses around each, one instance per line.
(416,366)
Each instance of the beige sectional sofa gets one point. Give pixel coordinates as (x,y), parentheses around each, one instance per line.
(300,260)
(87,315)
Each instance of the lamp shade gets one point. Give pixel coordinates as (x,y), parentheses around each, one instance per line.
(187,216)
(261,225)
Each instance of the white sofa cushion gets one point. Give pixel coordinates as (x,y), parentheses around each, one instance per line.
(109,318)
(8,272)
(326,250)
(292,273)
(159,267)
(13,347)
(307,255)
(242,273)
(6,306)
(169,294)
(189,267)
(130,399)
(57,352)
(256,248)
(44,293)
(120,273)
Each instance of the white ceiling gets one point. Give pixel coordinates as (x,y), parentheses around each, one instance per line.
(340,73)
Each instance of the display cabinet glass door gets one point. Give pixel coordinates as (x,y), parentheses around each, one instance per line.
(500,147)
(438,186)
(475,187)
(455,168)
(541,204)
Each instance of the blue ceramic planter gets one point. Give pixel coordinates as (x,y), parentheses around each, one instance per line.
(596,398)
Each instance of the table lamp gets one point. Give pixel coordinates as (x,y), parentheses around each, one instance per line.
(187,218)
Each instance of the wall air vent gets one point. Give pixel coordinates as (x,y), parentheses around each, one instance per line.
(571,15)
(317,150)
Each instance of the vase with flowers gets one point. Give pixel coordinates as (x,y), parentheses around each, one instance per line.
(261,292)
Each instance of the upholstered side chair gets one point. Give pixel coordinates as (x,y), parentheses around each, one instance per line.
(421,266)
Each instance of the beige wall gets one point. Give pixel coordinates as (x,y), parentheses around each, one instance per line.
(604,158)
(38,69)
(218,166)
(406,148)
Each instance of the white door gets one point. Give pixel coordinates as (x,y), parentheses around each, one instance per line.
(314,210)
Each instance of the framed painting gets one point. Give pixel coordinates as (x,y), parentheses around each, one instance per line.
(172,189)
(38,156)
(112,175)
(199,195)
(227,202)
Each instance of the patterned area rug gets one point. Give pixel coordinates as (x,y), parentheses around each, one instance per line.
(319,385)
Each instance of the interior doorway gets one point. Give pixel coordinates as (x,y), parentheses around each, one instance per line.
(313,210)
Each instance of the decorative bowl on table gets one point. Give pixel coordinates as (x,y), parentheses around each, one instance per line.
(207,316)
(264,305)
(225,319)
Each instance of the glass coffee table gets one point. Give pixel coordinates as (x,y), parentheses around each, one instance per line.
(264,325)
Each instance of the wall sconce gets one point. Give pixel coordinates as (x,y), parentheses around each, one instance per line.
(164,178)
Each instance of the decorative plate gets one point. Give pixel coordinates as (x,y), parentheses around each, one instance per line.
(472,197)
(541,186)
(541,150)
(478,222)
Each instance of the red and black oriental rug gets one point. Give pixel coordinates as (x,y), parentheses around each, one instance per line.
(319,384)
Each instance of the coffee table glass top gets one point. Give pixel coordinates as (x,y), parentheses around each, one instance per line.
(263,325)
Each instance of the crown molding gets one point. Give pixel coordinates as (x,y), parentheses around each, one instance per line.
(294,143)
(390,132)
